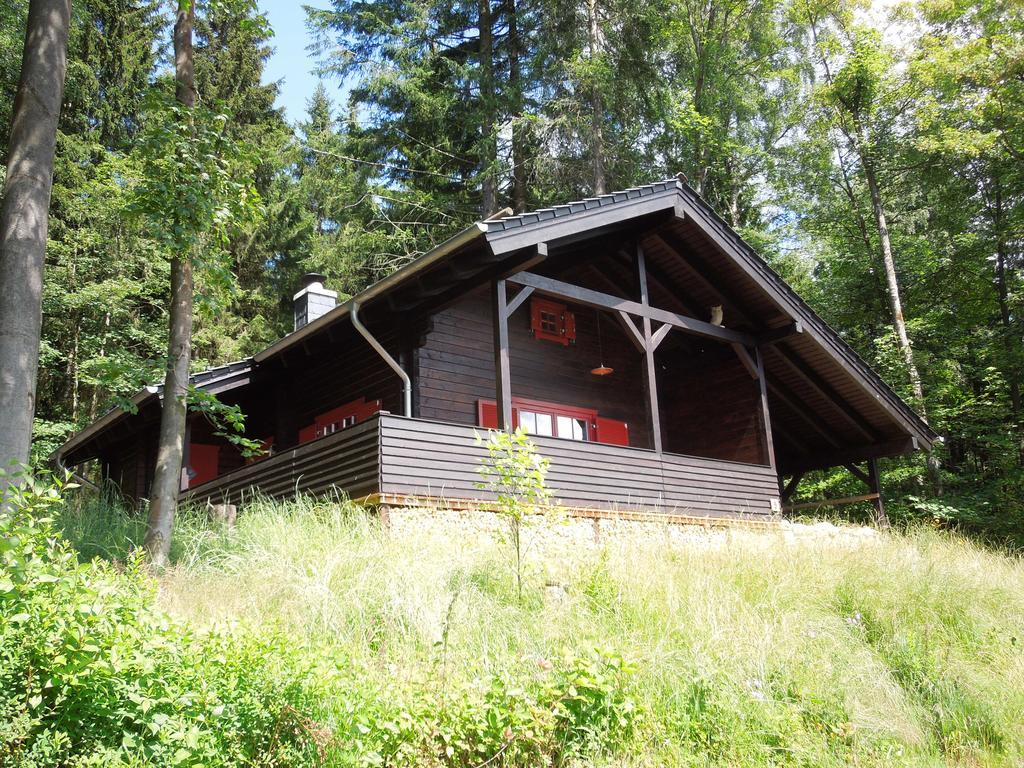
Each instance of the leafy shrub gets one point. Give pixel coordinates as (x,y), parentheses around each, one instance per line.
(92,674)
(515,473)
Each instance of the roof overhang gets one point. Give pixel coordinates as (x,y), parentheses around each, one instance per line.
(393,281)
(217,380)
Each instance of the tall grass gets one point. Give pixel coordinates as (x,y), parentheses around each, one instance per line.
(901,649)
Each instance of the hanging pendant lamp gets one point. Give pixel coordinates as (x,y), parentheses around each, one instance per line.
(602,369)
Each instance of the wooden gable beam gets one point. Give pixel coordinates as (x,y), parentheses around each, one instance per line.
(700,270)
(655,277)
(793,403)
(590,298)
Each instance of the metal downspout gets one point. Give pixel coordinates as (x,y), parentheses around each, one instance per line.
(406,381)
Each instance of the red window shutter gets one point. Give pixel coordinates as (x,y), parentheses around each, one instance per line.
(570,326)
(487,414)
(204,461)
(612,432)
(557,317)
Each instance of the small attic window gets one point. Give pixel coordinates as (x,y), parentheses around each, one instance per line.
(551,321)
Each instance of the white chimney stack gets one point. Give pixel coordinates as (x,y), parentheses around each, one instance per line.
(313,300)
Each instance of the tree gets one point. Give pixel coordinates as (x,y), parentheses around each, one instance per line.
(24,218)
(171,443)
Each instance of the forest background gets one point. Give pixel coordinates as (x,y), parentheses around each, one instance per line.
(874,155)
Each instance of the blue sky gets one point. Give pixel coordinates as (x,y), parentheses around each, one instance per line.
(291,62)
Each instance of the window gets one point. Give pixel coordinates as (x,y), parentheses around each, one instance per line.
(551,321)
(544,419)
(339,419)
(555,420)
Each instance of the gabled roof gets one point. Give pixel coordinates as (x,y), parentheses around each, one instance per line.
(550,224)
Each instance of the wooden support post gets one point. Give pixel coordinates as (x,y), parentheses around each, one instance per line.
(881,519)
(650,372)
(502,367)
(790,488)
(766,417)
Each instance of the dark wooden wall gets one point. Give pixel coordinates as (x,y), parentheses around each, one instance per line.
(455,366)
(710,406)
(328,373)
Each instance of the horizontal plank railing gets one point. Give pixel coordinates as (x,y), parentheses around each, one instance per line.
(441,460)
(348,461)
(396,456)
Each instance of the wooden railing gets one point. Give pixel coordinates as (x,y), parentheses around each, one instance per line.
(348,461)
(440,460)
(395,456)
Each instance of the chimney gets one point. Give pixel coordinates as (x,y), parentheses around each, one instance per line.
(312,300)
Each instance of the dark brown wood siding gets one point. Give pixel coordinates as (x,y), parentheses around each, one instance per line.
(346,461)
(455,367)
(711,408)
(441,460)
(326,374)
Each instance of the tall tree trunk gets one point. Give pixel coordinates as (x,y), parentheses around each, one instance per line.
(24,220)
(515,82)
(895,302)
(1003,297)
(174,413)
(488,187)
(596,104)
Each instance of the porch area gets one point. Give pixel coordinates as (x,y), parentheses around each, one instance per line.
(395,457)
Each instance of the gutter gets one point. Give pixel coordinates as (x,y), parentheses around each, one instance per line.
(431,257)
(387,358)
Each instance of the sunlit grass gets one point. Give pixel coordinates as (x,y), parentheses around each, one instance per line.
(899,649)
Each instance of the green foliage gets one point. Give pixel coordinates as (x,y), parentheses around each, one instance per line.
(514,472)
(227,421)
(745,650)
(92,674)
(188,194)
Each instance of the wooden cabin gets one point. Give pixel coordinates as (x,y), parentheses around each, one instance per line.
(656,360)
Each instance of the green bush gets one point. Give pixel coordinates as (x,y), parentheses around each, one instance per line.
(92,674)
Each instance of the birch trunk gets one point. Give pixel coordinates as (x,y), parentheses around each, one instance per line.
(174,413)
(895,302)
(24,220)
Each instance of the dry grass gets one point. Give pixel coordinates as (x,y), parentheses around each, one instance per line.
(902,649)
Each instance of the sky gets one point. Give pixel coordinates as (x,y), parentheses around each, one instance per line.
(291,62)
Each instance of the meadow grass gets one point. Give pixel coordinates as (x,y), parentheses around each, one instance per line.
(898,649)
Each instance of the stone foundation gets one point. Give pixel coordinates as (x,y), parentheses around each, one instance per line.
(568,531)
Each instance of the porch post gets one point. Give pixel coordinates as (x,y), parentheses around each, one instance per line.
(502,369)
(881,519)
(650,372)
(766,417)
